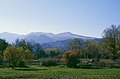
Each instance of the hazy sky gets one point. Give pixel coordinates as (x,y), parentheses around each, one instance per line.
(85,17)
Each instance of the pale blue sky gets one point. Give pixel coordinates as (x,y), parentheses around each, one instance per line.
(84,17)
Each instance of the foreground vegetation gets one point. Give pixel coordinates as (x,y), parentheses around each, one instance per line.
(38,72)
(82,60)
(23,51)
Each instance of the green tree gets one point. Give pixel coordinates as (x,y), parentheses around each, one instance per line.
(34,47)
(38,51)
(24,43)
(52,52)
(93,50)
(3,46)
(40,54)
(111,38)
(17,56)
(74,44)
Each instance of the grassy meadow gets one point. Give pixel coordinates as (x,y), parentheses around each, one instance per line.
(39,72)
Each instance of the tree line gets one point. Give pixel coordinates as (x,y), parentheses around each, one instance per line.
(22,51)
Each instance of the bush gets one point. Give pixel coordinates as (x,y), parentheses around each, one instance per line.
(49,62)
(105,63)
(22,64)
(88,66)
(109,63)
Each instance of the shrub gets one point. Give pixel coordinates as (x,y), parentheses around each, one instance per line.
(106,63)
(49,62)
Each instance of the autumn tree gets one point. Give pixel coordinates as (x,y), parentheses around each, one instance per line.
(71,57)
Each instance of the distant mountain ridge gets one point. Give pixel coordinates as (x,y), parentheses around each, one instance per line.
(42,37)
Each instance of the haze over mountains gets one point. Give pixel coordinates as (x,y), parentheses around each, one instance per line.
(42,37)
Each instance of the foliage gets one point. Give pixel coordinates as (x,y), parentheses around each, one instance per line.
(111,38)
(34,47)
(74,44)
(40,54)
(93,50)
(70,58)
(16,56)
(3,46)
(52,52)
(109,63)
(23,43)
(49,62)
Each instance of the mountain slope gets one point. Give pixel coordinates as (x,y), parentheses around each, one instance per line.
(63,44)
(10,37)
(42,37)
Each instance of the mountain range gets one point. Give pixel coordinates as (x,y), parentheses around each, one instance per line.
(42,37)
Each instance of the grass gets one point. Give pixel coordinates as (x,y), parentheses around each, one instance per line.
(37,72)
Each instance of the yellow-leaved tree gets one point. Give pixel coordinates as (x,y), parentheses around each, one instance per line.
(17,56)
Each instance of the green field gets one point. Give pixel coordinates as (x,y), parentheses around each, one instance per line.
(36,72)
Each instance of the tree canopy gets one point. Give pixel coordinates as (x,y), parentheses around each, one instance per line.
(111,38)
(17,56)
